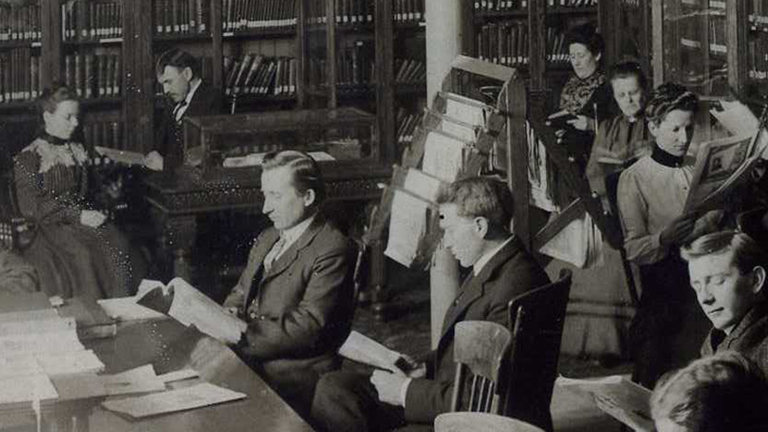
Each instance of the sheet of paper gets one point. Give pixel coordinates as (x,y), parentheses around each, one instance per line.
(190,306)
(363,349)
(33,315)
(126,309)
(45,325)
(19,366)
(458,129)
(121,156)
(70,363)
(26,388)
(138,380)
(196,396)
(736,117)
(422,184)
(407,226)
(46,343)
(178,375)
(443,156)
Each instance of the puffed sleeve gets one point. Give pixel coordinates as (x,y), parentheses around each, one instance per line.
(642,246)
(34,201)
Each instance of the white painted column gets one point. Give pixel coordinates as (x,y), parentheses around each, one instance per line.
(444,37)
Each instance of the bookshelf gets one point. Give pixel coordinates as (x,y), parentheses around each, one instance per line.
(21,66)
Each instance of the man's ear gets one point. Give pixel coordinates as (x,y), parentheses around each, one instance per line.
(758,279)
(187,72)
(481,226)
(309,197)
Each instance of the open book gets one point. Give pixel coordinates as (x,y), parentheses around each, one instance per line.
(617,396)
(187,305)
(721,165)
(363,349)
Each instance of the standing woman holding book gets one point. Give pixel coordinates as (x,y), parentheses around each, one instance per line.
(669,326)
(75,250)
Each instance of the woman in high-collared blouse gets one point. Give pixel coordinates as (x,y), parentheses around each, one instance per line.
(75,251)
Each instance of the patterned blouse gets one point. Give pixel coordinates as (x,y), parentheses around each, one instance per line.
(577,91)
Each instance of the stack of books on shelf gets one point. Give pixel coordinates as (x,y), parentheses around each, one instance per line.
(354,11)
(499,5)
(505,43)
(316,12)
(20,23)
(409,11)
(94,75)
(245,15)
(356,65)
(174,17)
(557,49)
(406,124)
(573,3)
(86,21)
(255,74)
(757,57)
(20,77)
(104,134)
(410,71)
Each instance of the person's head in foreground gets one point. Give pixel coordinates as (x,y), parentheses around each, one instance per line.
(725,392)
(670,113)
(727,271)
(628,84)
(59,111)
(475,214)
(293,187)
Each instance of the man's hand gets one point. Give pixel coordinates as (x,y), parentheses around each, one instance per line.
(678,230)
(153,161)
(413,369)
(388,385)
(92,218)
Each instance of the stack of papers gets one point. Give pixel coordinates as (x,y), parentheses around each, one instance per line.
(197,396)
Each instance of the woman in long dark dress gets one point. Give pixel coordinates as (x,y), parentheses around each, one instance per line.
(75,251)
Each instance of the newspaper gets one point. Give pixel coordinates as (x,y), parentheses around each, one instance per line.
(721,165)
(363,349)
(617,396)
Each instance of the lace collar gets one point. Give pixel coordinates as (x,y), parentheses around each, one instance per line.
(56,151)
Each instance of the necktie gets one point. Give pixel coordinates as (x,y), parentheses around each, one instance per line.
(177,110)
(274,253)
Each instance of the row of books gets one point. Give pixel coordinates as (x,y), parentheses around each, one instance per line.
(181,16)
(355,64)
(348,12)
(409,10)
(757,57)
(406,122)
(243,15)
(573,3)
(20,77)
(499,5)
(256,74)
(556,48)
(94,75)
(20,23)
(505,43)
(410,71)
(104,134)
(758,14)
(86,20)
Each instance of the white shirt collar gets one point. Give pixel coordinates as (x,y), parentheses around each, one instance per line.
(292,234)
(488,255)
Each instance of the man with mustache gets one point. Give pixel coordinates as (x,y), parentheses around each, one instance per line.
(297,292)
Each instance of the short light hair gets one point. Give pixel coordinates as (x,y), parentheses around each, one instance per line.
(305,170)
(723,392)
(484,197)
(747,254)
(52,97)
(179,59)
(667,98)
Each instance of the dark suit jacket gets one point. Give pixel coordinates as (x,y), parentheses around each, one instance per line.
(749,338)
(305,306)
(511,272)
(169,135)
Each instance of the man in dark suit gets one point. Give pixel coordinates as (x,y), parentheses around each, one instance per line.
(179,74)
(296,293)
(728,272)
(475,215)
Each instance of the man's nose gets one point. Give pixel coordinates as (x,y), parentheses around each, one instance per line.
(705,297)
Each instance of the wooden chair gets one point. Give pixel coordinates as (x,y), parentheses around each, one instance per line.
(479,348)
(471,422)
(537,320)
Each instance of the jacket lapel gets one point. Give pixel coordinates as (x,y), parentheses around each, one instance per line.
(751,319)
(265,243)
(292,253)
(474,287)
